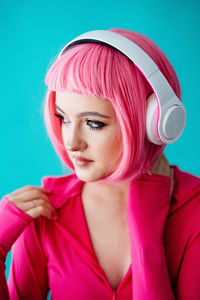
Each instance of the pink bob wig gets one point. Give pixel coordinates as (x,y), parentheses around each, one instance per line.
(96,70)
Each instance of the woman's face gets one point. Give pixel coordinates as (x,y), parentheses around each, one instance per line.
(90,130)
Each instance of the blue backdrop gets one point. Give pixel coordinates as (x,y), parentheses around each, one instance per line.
(33,32)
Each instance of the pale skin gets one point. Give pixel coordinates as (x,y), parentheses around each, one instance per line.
(99,145)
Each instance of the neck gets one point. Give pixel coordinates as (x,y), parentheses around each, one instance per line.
(114,195)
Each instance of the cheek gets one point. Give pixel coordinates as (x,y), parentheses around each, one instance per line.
(63,132)
(107,144)
(115,147)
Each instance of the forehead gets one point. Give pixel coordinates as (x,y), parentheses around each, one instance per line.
(70,102)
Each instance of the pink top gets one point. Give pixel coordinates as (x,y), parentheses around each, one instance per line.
(58,255)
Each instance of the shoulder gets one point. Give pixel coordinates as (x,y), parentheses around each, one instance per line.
(63,187)
(185,206)
(186,187)
(182,226)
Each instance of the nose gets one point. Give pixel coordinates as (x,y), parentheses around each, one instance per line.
(73,140)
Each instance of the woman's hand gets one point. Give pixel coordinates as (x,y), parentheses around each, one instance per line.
(33,201)
(162,167)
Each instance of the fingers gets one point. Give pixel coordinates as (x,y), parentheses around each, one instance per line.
(33,200)
(27,205)
(29,188)
(27,195)
(41,211)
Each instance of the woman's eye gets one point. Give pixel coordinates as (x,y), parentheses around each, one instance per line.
(61,117)
(95,124)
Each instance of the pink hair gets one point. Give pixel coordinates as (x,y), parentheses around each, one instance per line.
(99,71)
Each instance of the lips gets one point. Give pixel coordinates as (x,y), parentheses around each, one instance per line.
(80,158)
(82,162)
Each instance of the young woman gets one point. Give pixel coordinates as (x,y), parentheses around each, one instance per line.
(125,224)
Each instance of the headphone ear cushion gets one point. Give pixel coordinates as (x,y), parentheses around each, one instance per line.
(152,120)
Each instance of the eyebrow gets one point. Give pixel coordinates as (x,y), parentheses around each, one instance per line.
(86,113)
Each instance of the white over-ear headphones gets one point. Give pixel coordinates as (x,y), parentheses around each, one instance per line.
(166,115)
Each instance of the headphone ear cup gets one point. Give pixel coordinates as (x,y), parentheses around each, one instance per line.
(152,120)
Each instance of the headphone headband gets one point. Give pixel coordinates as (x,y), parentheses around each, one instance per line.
(169,107)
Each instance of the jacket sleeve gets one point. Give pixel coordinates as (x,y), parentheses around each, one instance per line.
(148,205)
(28,274)
(188,283)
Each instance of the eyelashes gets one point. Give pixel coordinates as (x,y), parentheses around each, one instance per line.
(93,125)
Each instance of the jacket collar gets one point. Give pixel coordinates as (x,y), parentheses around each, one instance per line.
(68,186)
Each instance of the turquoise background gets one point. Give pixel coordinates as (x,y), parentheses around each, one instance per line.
(33,32)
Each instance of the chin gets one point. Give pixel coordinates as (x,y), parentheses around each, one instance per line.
(88,176)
